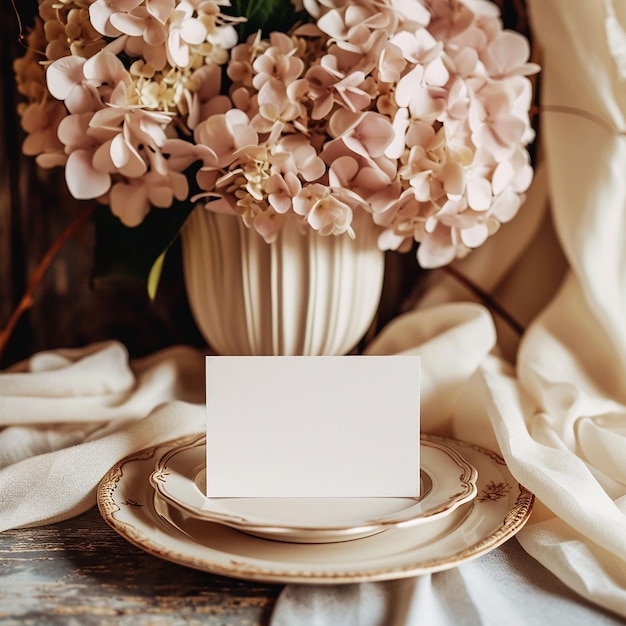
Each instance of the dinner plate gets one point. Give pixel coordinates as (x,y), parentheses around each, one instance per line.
(127,503)
(447,482)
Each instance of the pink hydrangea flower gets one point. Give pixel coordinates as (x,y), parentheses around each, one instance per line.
(413,114)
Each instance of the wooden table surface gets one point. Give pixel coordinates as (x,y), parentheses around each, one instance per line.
(81,572)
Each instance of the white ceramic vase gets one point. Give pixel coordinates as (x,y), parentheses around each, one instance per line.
(304,294)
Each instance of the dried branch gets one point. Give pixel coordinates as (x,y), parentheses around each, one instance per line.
(28,300)
(486,299)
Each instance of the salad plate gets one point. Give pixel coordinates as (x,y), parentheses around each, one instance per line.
(130,505)
(447,482)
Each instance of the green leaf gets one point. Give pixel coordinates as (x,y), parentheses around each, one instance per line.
(155,275)
(263,15)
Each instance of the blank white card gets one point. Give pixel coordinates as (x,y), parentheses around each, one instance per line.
(345,426)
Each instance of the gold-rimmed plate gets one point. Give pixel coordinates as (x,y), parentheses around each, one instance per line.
(447,482)
(499,510)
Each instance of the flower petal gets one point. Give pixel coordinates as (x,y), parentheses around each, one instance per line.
(436,250)
(83,180)
(129,203)
(63,75)
(479,194)
(193,31)
(475,235)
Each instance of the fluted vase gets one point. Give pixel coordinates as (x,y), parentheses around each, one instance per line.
(303,294)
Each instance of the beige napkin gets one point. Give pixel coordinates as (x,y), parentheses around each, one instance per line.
(70,415)
(562,424)
(560,420)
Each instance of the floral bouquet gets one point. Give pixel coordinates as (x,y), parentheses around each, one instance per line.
(411,113)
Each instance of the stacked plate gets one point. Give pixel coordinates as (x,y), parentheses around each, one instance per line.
(469,504)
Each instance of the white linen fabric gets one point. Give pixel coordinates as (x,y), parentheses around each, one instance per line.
(506,587)
(70,415)
(571,448)
(554,404)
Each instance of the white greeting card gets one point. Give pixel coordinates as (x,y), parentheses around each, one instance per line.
(345,426)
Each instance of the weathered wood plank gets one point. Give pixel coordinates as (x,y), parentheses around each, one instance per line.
(82,572)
